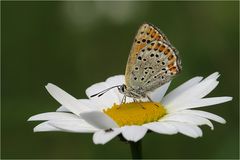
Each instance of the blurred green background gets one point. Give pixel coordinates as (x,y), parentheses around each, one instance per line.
(76,44)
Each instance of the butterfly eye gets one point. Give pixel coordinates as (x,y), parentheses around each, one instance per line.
(122,88)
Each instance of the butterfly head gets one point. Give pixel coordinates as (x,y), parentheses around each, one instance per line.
(130,92)
(122,89)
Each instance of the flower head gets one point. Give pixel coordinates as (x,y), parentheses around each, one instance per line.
(106,117)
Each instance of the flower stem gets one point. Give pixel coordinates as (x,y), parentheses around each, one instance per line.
(136,149)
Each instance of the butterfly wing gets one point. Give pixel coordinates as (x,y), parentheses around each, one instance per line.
(156,64)
(153,63)
(146,34)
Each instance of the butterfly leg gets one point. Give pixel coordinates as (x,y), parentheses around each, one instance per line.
(123,101)
(139,102)
(151,100)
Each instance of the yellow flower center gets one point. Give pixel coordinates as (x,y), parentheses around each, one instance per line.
(135,113)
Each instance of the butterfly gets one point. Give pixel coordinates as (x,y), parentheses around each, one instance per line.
(152,62)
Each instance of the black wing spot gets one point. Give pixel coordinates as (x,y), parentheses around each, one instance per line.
(143,50)
(148,81)
(162,77)
(148,41)
(163,63)
(158,61)
(140,58)
(163,69)
(150,68)
(155,76)
(142,78)
(138,42)
(144,59)
(135,78)
(146,72)
(143,40)
(157,55)
(152,71)
(151,55)
(136,68)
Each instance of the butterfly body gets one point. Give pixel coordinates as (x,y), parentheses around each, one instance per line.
(152,62)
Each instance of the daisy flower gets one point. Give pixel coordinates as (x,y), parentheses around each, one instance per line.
(107,118)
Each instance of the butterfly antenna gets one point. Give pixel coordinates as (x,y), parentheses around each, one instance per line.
(99,94)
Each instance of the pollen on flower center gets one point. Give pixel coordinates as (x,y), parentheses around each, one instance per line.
(135,113)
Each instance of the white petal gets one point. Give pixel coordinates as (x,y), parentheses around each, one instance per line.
(158,93)
(89,104)
(52,116)
(114,81)
(102,136)
(187,118)
(200,103)
(187,129)
(133,133)
(161,127)
(205,115)
(118,80)
(105,100)
(204,88)
(95,88)
(73,126)
(45,127)
(64,98)
(177,91)
(99,120)
(62,109)
(83,104)
(215,75)
(196,92)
